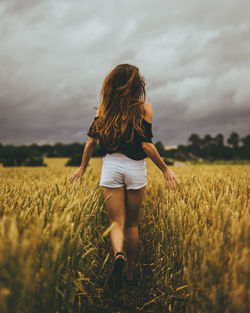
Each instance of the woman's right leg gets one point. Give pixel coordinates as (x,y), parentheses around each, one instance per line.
(115,206)
(134,199)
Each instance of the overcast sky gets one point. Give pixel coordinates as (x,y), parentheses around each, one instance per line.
(55,54)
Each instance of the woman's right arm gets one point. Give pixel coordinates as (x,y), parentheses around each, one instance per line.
(87,153)
(153,154)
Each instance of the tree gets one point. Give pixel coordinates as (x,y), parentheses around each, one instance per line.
(195,146)
(195,140)
(218,146)
(160,148)
(207,139)
(246,146)
(21,156)
(234,141)
(219,140)
(1,152)
(75,160)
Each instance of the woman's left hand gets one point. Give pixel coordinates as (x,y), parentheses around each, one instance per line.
(77,175)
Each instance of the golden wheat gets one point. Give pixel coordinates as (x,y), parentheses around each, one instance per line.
(55,251)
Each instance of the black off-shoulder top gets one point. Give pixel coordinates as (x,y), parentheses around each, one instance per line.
(133,149)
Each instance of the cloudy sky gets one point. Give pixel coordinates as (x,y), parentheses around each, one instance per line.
(55,54)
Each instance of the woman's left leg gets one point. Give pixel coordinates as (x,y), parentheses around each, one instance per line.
(116,210)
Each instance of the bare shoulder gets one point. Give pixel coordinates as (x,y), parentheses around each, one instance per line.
(98,111)
(148,112)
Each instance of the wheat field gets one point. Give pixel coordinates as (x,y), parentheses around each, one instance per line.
(55,251)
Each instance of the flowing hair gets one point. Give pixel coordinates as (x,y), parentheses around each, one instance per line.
(121,104)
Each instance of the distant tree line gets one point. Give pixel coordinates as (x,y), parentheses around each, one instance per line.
(207,148)
(210,148)
(32,155)
(11,155)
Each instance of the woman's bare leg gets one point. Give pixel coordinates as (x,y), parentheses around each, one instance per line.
(133,203)
(115,206)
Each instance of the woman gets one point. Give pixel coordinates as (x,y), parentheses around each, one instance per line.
(123,126)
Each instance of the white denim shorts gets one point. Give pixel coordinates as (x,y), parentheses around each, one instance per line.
(119,170)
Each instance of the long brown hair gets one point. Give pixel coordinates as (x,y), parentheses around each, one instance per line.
(121,102)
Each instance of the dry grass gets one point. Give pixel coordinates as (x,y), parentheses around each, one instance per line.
(194,243)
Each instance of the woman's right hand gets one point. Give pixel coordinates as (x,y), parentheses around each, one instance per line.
(77,174)
(170,179)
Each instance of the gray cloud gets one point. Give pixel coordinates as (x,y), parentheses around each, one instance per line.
(55,54)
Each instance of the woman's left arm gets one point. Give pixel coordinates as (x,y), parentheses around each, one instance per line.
(87,153)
